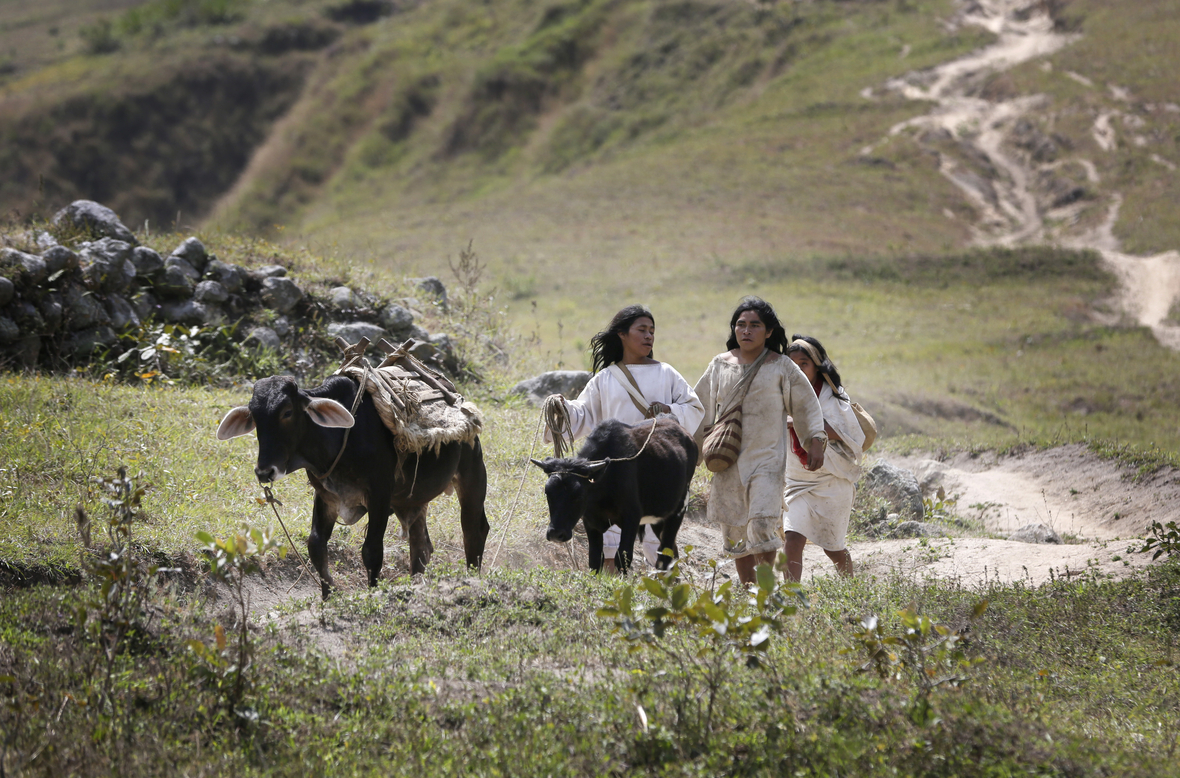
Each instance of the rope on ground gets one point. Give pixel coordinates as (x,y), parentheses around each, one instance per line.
(273,501)
(519,489)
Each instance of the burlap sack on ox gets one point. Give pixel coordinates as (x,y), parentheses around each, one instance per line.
(420,407)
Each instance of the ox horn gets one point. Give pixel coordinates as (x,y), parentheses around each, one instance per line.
(538,463)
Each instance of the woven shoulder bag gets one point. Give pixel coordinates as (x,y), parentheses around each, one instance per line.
(723,440)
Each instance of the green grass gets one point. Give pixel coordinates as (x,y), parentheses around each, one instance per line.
(510,673)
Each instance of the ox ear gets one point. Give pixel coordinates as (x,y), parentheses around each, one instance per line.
(236,422)
(329,413)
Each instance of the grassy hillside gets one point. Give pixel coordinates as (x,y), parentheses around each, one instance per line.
(682,154)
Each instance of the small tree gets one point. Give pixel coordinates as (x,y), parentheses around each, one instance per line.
(112,614)
(702,631)
(226,664)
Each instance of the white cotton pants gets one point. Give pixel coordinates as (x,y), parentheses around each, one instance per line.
(650,543)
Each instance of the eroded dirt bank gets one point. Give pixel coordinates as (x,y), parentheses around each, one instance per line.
(1023,185)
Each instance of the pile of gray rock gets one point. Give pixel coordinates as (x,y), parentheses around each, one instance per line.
(66,303)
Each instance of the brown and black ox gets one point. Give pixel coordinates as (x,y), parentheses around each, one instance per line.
(304,429)
(604,485)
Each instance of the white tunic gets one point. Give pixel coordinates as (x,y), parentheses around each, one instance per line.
(605,398)
(819,504)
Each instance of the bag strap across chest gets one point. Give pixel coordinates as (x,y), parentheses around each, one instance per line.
(628,382)
(737,392)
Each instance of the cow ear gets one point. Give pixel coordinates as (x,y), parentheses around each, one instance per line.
(237,422)
(329,413)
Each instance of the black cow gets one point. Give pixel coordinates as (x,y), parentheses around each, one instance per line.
(598,488)
(305,429)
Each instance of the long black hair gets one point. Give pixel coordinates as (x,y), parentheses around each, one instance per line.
(776,339)
(606,346)
(825,365)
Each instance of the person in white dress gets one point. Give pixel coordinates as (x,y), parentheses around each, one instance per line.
(746,499)
(625,347)
(819,502)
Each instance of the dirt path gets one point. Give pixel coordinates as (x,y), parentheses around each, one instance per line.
(979,151)
(1095,504)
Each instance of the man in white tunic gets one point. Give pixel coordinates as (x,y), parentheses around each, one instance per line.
(746,499)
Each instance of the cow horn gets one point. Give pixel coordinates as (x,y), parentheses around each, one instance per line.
(538,463)
(597,467)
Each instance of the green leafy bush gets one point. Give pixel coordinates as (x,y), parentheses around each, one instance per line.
(702,631)
(226,666)
(1163,539)
(176,353)
(926,653)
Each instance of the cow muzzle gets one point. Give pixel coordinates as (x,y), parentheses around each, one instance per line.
(268,474)
(558,535)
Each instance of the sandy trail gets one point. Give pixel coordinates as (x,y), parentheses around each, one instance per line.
(1095,504)
(1011,210)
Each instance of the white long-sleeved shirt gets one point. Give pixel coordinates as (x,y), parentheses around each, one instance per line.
(605,398)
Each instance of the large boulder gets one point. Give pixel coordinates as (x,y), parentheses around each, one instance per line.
(569,383)
(7,290)
(917,529)
(433,288)
(396,319)
(354,331)
(145,304)
(1035,533)
(9,332)
(897,487)
(121,313)
(175,281)
(28,318)
(231,277)
(184,266)
(84,342)
(28,270)
(191,312)
(343,297)
(147,261)
(280,294)
(94,218)
(108,275)
(59,258)
(80,309)
(112,250)
(263,338)
(210,292)
(52,312)
(193,252)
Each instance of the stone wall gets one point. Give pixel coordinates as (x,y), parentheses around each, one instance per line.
(61,305)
